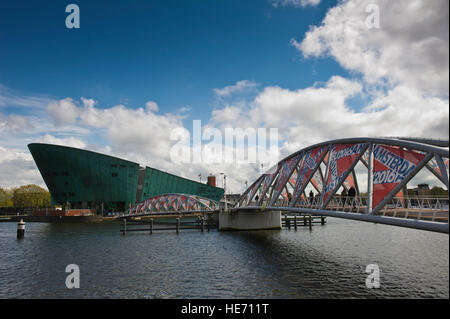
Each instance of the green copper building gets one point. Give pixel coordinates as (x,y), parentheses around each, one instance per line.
(79,178)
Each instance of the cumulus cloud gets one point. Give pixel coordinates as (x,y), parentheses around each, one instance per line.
(151,106)
(64,141)
(410,47)
(88,102)
(322,112)
(63,111)
(17,168)
(404,74)
(138,131)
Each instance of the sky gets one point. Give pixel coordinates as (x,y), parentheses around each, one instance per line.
(135,72)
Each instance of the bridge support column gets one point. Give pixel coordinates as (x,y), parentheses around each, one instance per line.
(249,220)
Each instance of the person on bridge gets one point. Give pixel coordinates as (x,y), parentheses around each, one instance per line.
(351,195)
(344,197)
(289,198)
(311,197)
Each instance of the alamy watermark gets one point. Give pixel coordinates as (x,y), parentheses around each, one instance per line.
(373,19)
(373,279)
(230,146)
(73,19)
(73,279)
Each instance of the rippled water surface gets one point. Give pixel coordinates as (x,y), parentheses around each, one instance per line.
(327,262)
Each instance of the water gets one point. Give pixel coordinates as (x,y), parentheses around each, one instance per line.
(327,262)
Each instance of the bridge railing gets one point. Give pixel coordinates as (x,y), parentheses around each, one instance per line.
(411,207)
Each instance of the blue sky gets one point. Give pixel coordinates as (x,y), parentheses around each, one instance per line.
(172,52)
(135,71)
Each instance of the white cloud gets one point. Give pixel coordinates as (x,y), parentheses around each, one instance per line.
(64,141)
(10,97)
(151,106)
(135,131)
(17,168)
(14,123)
(411,47)
(88,102)
(296,3)
(63,111)
(320,113)
(239,87)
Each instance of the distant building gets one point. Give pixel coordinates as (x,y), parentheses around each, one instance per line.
(79,179)
(422,190)
(211,180)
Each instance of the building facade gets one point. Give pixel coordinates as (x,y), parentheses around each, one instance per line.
(79,178)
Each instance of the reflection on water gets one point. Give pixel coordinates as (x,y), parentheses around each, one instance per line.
(327,262)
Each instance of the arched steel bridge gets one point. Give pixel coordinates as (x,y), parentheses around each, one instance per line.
(389,164)
(168,204)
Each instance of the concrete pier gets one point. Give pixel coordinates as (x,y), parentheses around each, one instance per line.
(249,220)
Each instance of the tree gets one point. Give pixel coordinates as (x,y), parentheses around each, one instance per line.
(5,197)
(438,191)
(30,196)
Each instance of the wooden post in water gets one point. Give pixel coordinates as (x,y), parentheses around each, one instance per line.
(304,220)
(151,225)
(310,222)
(178,225)
(124,230)
(20,229)
(288,223)
(208,222)
(295,222)
(322,220)
(202,224)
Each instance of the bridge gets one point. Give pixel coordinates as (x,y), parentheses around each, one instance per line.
(363,179)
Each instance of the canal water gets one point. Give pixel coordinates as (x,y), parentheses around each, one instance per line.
(327,262)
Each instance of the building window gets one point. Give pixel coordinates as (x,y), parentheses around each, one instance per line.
(113,165)
(114,175)
(122,166)
(146,184)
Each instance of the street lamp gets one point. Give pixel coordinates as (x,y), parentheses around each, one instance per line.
(225,189)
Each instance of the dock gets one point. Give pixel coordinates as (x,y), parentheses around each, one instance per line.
(148,223)
(295,221)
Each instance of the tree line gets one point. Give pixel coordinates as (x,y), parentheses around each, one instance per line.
(24,196)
